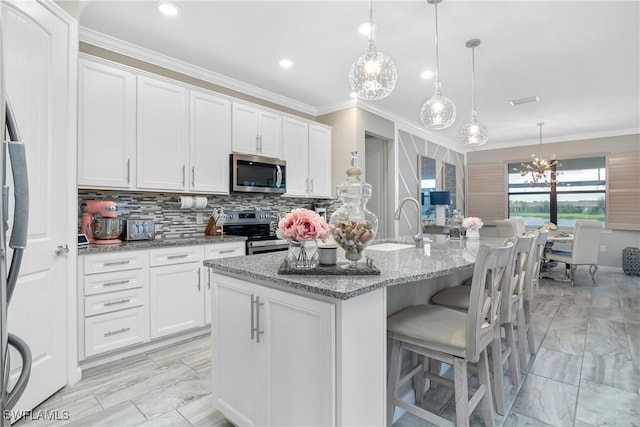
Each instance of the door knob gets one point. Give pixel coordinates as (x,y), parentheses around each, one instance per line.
(62,249)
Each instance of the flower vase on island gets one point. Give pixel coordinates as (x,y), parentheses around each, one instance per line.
(302,227)
(472,225)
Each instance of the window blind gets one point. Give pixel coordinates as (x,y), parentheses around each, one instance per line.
(623,191)
(487,192)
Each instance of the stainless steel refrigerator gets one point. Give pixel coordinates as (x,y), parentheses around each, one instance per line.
(12,157)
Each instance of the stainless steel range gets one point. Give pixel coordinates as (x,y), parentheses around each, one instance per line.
(256,226)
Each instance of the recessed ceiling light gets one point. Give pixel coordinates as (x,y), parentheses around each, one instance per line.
(427,74)
(168,8)
(364,28)
(286,63)
(524,100)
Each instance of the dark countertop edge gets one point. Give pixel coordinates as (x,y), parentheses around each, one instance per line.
(289,281)
(154,244)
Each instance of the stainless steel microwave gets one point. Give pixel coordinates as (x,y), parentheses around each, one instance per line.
(257,174)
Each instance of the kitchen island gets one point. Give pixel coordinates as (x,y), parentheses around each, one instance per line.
(312,350)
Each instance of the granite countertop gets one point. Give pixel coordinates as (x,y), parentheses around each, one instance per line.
(159,243)
(439,257)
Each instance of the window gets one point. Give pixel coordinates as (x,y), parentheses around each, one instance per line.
(578,194)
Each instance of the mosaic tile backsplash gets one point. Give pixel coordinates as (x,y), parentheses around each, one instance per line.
(173,222)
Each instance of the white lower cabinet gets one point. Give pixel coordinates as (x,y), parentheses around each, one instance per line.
(273,355)
(114,301)
(177,294)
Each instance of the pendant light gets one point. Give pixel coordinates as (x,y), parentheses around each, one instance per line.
(473,133)
(373,75)
(540,170)
(438,112)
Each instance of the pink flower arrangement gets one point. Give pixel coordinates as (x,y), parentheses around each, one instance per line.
(472,223)
(302,225)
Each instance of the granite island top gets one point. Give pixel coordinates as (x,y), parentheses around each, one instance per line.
(160,243)
(440,256)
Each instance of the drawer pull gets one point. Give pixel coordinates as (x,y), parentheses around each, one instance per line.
(107,264)
(177,256)
(227,251)
(121,301)
(117,282)
(119,331)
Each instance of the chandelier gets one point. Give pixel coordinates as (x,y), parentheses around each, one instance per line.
(373,75)
(473,133)
(540,171)
(438,112)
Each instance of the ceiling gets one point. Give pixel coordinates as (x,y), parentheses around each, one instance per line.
(581,58)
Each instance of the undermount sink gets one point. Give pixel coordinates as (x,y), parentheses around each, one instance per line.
(387,247)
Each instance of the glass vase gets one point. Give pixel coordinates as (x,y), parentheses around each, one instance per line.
(354,226)
(302,255)
(473,234)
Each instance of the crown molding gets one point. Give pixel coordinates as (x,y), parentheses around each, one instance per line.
(105,41)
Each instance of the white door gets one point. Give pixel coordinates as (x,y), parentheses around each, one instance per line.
(270,135)
(295,144)
(106,126)
(319,161)
(162,146)
(244,129)
(209,143)
(38,65)
(175,298)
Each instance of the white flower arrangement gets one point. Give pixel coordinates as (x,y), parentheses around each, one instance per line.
(472,223)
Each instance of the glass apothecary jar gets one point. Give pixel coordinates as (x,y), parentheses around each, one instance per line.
(353,226)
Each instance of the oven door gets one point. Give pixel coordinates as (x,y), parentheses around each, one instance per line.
(257,174)
(264,246)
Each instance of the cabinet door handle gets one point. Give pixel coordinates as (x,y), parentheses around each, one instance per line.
(117,282)
(199,276)
(119,331)
(120,301)
(312,185)
(208,278)
(108,264)
(177,256)
(258,143)
(226,251)
(183,174)
(255,318)
(193,176)
(128,171)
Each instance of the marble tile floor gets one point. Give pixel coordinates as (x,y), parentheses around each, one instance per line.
(586,372)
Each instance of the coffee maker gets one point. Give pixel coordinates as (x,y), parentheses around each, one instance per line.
(100,222)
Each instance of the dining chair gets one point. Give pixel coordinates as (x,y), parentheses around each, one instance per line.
(523,315)
(453,337)
(510,227)
(584,250)
(457,297)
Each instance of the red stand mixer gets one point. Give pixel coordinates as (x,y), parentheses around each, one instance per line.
(100,222)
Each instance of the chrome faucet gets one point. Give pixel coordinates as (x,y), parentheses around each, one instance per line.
(418,237)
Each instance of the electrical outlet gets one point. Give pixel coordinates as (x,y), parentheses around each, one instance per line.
(199,218)
(603,248)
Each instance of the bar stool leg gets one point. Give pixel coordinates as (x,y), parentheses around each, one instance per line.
(392,383)
(461,392)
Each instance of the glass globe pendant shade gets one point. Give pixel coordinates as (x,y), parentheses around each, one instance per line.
(438,112)
(373,75)
(474,133)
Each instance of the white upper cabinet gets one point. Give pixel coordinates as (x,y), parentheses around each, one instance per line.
(106,126)
(306,147)
(256,131)
(319,161)
(209,143)
(163,148)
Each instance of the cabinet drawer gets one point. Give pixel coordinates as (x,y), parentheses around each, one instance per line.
(116,281)
(178,255)
(103,263)
(114,301)
(224,250)
(116,330)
